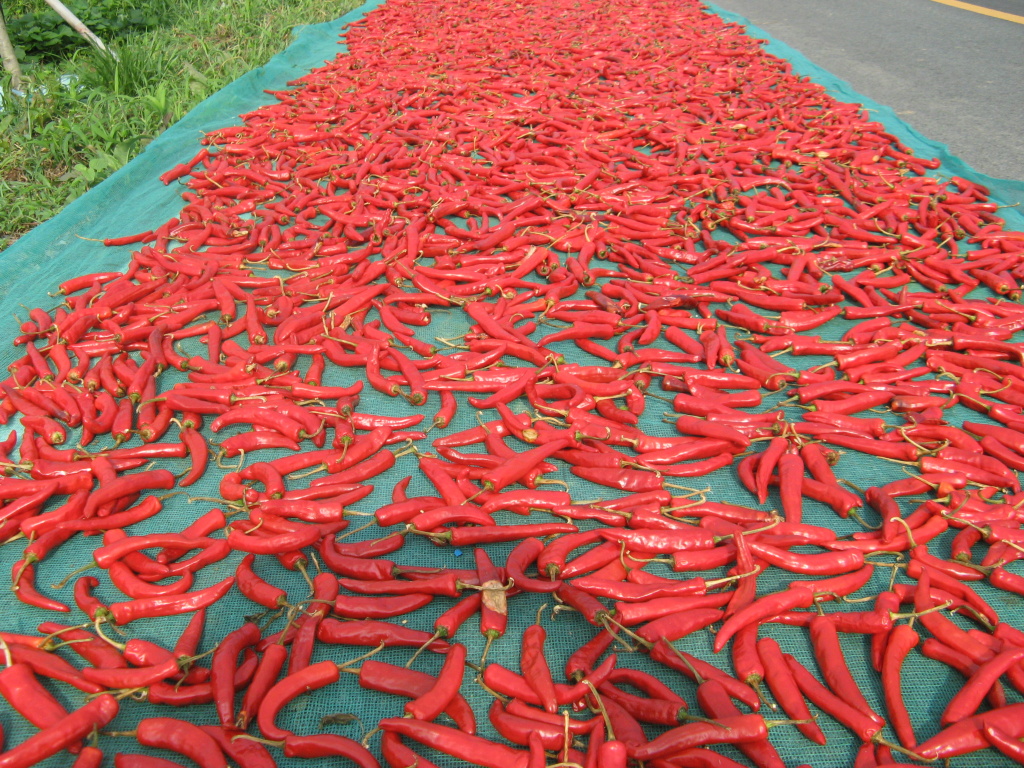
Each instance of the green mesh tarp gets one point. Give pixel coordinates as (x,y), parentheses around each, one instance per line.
(133,200)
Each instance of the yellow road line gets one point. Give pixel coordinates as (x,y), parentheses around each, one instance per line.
(986,11)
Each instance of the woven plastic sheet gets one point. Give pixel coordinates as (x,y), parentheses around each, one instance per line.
(133,200)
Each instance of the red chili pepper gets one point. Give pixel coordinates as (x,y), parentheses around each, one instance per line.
(397,755)
(535,668)
(967,700)
(222,670)
(429,705)
(860,724)
(761,609)
(831,662)
(246,752)
(901,640)
(89,757)
(181,737)
(26,695)
(94,715)
(123,613)
(784,688)
(328,745)
(386,678)
(699,670)
(457,744)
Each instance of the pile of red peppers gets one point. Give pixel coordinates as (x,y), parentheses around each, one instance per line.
(631,211)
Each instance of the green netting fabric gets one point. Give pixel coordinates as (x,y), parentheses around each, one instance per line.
(134,200)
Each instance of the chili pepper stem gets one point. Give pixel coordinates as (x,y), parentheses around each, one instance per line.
(914,614)
(96,625)
(658,397)
(609,730)
(674,486)
(356,530)
(482,490)
(305,575)
(367,655)
(860,490)
(194,499)
(857,516)
(46,638)
(897,563)
(66,643)
(268,742)
(776,519)
(219,460)
(905,524)
(138,694)
(480,681)
(487,648)
(697,677)
(365,741)
(903,750)
(644,643)
(63,582)
(422,648)
(315,470)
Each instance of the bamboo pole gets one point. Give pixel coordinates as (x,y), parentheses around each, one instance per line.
(7,55)
(76,24)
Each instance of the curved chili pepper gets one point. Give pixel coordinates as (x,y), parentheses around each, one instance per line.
(829,655)
(27,696)
(429,705)
(181,737)
(246,752)
(397,755)
(784,688)
(967,700)
(457,744)
(386,678)
(901,640)
(698,670)
(94,715)
(527,551)
(328,745)
(761,609)
(123,613)
(535,668)
(222,670)
(255,588)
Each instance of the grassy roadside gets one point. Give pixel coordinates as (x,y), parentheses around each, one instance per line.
(64,139)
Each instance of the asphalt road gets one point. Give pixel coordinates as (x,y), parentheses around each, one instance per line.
(954,75)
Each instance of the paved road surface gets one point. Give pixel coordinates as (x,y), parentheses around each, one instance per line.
(954,75)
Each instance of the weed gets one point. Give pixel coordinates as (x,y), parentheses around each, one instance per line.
(136,69)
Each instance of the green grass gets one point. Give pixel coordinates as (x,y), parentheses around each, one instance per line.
(55,146)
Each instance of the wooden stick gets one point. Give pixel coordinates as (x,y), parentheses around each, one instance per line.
(10,60)
(76,24)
